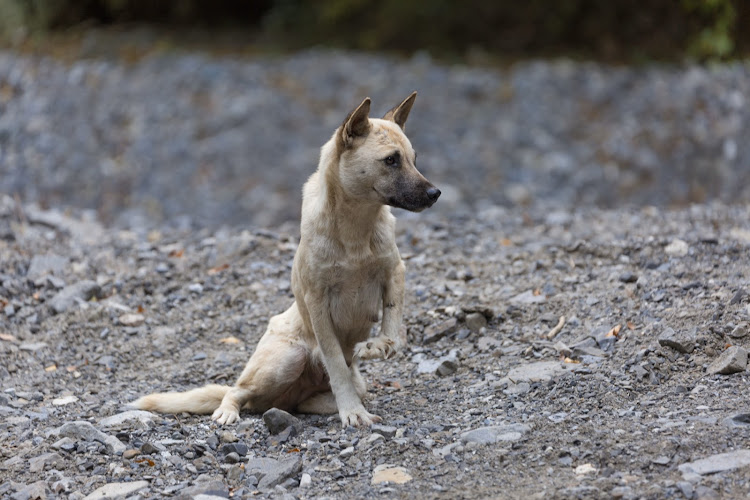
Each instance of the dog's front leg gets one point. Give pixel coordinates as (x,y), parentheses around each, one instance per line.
(389,341)
(351,409)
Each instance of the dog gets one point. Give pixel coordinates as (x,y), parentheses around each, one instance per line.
(346,269)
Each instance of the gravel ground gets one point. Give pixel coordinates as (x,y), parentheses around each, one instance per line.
(156,221)
(194,140)
(623,402)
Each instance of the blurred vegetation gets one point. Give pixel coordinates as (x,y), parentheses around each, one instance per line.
(623,30)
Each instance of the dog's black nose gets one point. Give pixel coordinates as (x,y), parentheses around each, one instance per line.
(433,193)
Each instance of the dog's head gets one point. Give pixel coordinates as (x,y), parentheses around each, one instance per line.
(378,163)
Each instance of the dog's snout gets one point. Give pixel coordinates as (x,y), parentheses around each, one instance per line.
(433,193)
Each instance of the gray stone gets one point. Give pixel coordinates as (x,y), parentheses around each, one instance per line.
(738,420)
(117,490)
(211,488)
(140,418)
(87,432)
(277,420)
(740,331)
(528,297)
(686,488)
(37,464)
(435,332)
(683,342)
(495,433)
(46,264)
(447,367)
(628,277)
(717,463)
(71,294)
(476,321)
(385,430)
(271,472)
(732,360)
(33,491)
(541,371)
(240,449)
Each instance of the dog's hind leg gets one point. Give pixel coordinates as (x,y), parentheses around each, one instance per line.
(324,403)
(272,372)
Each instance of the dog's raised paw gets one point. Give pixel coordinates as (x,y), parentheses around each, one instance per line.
(224,415)
(358,418)
(377,348)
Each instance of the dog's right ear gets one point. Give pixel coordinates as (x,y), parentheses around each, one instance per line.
(357,124)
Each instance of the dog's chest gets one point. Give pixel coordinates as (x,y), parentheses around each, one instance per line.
(356,291)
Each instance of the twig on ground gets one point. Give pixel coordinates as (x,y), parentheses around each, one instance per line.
(557,328)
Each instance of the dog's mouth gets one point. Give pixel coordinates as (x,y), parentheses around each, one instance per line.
(413,201)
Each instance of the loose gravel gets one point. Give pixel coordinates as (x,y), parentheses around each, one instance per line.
(557,348)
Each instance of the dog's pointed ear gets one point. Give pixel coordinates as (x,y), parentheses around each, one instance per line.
(357,124)
(400,113)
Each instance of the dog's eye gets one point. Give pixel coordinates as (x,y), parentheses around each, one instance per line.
(390,161)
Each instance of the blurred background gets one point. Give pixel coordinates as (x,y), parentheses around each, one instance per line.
(195,113)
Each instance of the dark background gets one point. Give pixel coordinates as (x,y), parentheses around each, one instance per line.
(614,30)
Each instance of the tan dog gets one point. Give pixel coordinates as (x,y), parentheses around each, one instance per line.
(346,268)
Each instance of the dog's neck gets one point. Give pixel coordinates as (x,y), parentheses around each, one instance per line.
(353,220)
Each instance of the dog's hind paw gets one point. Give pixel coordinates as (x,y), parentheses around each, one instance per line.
(224,415)
(377,348)
(358,418)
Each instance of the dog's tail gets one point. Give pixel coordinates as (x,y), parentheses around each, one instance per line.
(203,400)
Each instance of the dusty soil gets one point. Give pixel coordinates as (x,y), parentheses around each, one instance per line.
(604,415)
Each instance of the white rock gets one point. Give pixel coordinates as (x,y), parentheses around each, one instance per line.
(115,490)
(140,416)
(64,400)
(677,248)
(388,473)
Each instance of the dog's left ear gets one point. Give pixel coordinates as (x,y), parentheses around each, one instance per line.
(357,124)
(400,113)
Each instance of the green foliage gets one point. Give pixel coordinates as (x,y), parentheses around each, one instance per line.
(612,29)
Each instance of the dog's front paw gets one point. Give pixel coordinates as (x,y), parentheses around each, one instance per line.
(225,415)
(358,418)
(377,348)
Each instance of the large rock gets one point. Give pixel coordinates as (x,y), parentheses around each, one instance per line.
(271,472)
(71,294)
(87,432)
(138,418)
(117,490)
(495,433)
(732,360)
(717,463)
(46,264)
(540,371)
(277,420)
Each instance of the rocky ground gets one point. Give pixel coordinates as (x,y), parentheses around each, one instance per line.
(640,394)
(558,348)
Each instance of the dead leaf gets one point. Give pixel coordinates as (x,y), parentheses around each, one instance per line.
(614,331)
(218,269)
(147,461)
(8,337)
(50,368)
(293,450)
(230,340)
(177,253)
